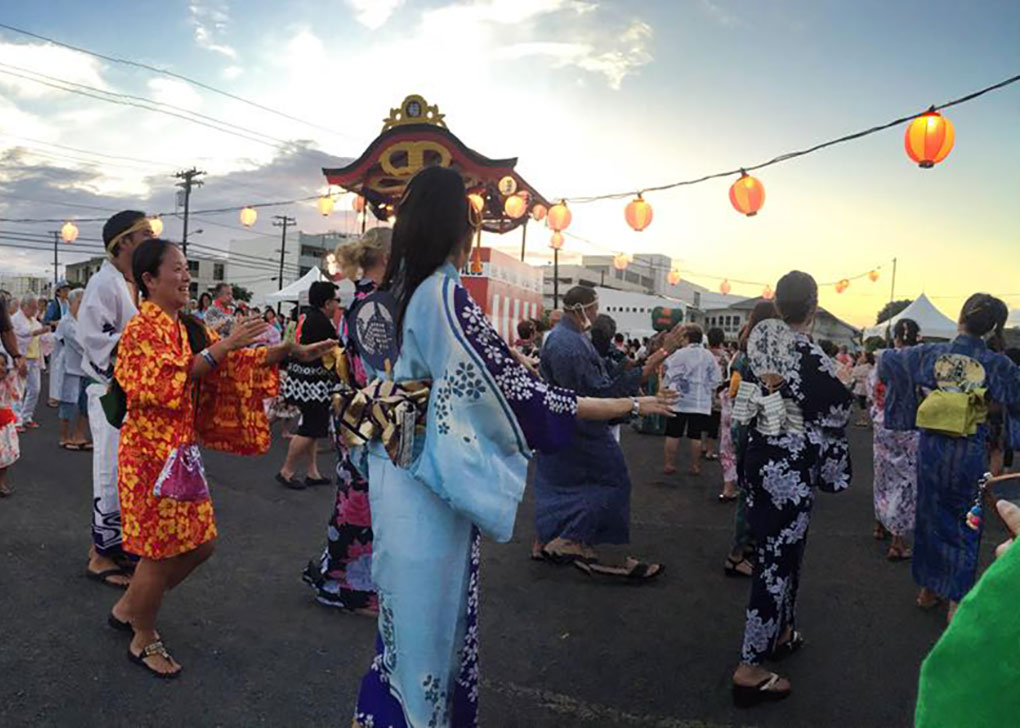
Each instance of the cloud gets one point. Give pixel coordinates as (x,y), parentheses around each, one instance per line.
(210,23)
(231,72)
(373,14)
(719,13)
(49,60)
(175,93)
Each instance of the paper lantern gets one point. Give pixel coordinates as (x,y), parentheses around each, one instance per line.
(673,277)
(873,276)
(620,261)
(358,203)
(477,201)
(559,217)
(249,216)
(325,205)
(747,194)
(507,186)
(156,223)
(929,139)
(69,232)
(768,294)
(538,213)
(725,287)
(556,242)
(638,214)
(842,285)
(515,206)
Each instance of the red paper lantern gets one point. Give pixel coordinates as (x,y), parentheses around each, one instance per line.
(929,139)
(842,285)
(358,203)
(538,213)
(747,194)
(768,293)
(559,217)
(556,242)
(725,287)
(673,277)
(638,214)
(873,276)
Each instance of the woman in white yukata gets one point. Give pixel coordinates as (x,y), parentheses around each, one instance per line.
(486,412)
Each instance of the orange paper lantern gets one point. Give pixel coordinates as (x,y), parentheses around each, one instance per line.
(249,216)
(559,217)
(325,205)
(69,232)
(556,241)
(358,203)
(156,223)
(873,276)
(638,214)
(673,277)
(747,194)
(538,213)
(515,206)
(725,287)
(768,294)
(620,261)
(929,139)
(477,201)
(842,285)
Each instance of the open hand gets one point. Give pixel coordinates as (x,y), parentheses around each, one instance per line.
(1010,514)
(660,404)
(22,367)
(311,352)
(245,333)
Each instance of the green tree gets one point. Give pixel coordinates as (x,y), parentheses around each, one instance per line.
(891,309)
(241,294)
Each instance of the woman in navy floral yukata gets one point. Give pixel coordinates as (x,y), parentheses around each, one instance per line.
(797,410)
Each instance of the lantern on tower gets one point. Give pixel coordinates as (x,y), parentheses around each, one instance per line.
(515,206)
(747,194)
(873,276)
(929,139)
(358,203)
(538,213)
(69,232)
(477,201)
(768,294)
(638,213)
(156,223)
(725,287)
(673,277)
(620,261)
(507,186)
(249,216)
(556,241)
(559,217)
(325,205)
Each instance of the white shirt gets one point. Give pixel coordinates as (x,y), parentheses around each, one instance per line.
(693,373)
(23,330)
(106,308)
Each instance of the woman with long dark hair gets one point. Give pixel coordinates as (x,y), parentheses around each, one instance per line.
(465,471)
(797,410)
(964,378)
(895,480)
(162,356)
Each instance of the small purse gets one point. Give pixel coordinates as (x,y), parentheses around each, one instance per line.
(114,403)
(183,476)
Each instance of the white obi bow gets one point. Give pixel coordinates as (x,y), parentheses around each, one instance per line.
(774,414)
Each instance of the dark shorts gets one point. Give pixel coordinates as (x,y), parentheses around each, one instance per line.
(691,423)
(712,430)
(314,420)
(862,401)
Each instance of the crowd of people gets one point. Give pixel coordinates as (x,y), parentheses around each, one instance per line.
(434,419)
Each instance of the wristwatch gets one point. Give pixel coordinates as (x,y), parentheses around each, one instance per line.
(635,407)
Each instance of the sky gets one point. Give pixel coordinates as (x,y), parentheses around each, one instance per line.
(592,97)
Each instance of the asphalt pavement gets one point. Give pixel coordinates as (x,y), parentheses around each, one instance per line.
(558,648)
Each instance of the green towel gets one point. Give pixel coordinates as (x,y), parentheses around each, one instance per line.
(971,678)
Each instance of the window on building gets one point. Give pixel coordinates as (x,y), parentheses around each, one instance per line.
(193,289)
(312,251)
(302,270)
(217,271)
(192,266)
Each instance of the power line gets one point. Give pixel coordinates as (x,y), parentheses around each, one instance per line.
(171,74)
(149,163)
(800,153)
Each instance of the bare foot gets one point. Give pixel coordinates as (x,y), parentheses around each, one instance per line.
(952,611)
(669,470)
(752,675)
(927,599)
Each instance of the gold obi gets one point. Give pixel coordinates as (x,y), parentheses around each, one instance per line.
(392,412)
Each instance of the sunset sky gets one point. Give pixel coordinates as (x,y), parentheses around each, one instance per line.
(592,97)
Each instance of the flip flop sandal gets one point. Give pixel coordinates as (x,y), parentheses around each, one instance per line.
(636,571)
(561,558)
(899,555)
(747,696)
(86,446)
(712,456)
(103,577)
(156,648)
(792,645)
(930,605)
(119,625)
(727,498)
(70,446)
(730,569)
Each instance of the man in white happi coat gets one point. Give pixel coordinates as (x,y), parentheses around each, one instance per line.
(27,330)
(107,306)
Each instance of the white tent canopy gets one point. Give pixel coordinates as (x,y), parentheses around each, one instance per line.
(934,324)
(298,290)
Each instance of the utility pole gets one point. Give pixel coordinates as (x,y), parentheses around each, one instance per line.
(556,278)
(524,237)
(282,221)
(892,293)
(56,244)
(188,176)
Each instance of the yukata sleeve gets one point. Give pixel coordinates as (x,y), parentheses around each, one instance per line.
(486,411)
(148,370)
(899,370)
(1005,389)
(826,406)
(573,367)
(231,403)
(97,328)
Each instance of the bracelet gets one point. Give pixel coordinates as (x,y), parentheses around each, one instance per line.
(209,358)
(635,407)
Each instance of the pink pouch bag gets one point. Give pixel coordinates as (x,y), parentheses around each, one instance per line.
(183,476)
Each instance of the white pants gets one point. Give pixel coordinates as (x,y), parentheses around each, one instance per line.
(30,391)
(106,533)
(56,373)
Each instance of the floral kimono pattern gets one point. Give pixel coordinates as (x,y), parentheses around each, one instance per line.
(782,472)
(485,414)
(342,576)
(948,468)
(153,367)
(895,480)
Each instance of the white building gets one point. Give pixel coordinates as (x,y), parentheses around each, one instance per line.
(633,311)
(20,285)
(731,318)
(205,272)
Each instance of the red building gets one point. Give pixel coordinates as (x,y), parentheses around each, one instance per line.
(507,290)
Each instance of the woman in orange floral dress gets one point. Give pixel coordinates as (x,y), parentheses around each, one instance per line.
(163,355)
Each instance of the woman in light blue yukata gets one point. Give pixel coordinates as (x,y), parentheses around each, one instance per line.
(485,414)
(918,380)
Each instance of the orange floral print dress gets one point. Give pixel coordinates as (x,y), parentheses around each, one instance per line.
(153,367)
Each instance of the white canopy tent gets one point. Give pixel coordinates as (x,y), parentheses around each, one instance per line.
(298,290)
(934,324)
